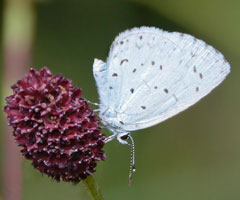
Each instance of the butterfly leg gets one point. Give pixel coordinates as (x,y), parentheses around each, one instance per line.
(109,138)
(95,104)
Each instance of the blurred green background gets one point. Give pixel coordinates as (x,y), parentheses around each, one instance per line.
(194,155)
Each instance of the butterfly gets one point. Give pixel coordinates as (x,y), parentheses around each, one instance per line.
(151,75)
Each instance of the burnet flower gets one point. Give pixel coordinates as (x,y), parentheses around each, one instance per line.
(55,126)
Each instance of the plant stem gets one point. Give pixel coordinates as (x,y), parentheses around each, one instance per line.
(92,188)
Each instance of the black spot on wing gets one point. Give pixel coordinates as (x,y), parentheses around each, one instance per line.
(194,69)
(124,60)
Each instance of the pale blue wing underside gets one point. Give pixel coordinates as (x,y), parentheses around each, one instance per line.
(151,75)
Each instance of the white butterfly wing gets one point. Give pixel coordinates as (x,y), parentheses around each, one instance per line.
(153,75)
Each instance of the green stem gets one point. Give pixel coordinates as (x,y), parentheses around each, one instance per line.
(92,188)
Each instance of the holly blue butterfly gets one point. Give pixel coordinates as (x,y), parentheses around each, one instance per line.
(151,75)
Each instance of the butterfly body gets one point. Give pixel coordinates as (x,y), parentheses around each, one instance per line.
(151,75)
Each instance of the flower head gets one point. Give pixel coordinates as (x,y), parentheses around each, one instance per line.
(55,126)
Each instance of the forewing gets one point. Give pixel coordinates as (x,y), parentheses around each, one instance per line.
(153,75)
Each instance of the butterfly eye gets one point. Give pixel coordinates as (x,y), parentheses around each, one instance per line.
(124,137)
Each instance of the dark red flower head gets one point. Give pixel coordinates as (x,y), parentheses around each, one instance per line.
(55,126)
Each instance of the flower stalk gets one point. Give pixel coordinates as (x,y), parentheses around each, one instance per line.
(92,188)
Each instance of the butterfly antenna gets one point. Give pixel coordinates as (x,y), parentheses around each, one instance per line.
(132,161)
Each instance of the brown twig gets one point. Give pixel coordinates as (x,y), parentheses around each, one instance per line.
(18,26)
